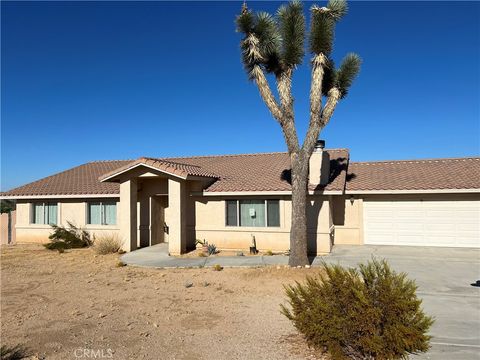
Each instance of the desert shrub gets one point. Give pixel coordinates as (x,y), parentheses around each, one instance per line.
(108,244)
(269,253)
(13,353)
(120,264)
(370,313)
(217,267)
(212,249)
(68,237)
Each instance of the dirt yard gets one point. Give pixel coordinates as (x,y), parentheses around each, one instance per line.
(78,305)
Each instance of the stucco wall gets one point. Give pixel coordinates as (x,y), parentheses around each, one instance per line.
(74,211)
(347,213)
(210,225)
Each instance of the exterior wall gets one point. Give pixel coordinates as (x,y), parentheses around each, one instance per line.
(74,211)
(210,225)
(4,228)
(348,216)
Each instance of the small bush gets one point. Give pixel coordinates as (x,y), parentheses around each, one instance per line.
(212,249)
(13,353)
(217,267)
(68,237)
(120,264)
(370,313)
(269,253)
(108,244)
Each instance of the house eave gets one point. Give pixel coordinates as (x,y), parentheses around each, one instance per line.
(261,193)
(429,191)
(58,196)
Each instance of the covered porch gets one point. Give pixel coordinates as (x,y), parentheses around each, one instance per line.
(155,204)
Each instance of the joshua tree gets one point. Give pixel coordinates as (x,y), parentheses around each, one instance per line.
(275,45)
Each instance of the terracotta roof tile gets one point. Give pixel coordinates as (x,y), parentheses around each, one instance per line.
(269,172)
(80,180)
(247,172)
(434,174)
(262,172)
(167,165)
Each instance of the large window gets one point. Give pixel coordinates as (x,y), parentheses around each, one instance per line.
(44,213)
(102,213)
(254,213)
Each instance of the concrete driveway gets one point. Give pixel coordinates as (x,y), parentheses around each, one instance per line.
(444,277)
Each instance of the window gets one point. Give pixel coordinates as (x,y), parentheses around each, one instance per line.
(102,213)
(253,213)
(44,213)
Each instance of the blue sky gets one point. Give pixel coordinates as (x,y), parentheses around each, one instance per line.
(85,81)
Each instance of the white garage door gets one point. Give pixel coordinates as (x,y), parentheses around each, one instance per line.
(422,223)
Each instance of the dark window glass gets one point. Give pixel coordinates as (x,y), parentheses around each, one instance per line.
(231,209)
(273,213)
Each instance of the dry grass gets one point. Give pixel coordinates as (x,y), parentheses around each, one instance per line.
(107,244)
(56,303)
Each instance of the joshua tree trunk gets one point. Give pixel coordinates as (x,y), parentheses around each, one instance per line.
(298,231)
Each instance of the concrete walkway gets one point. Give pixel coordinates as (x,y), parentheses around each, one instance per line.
(157,256)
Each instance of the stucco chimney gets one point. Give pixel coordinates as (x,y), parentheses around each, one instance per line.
(319,170)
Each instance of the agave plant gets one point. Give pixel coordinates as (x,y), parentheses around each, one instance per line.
(212,249)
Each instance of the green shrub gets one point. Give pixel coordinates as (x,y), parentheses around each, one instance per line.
(217,267)
(269,253)
(370,313)
(68,237)
(13,353)
(212,249)
(108,244)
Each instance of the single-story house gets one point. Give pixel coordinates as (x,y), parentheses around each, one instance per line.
(230,199)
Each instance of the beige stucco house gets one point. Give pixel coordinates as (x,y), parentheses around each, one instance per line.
(229,199)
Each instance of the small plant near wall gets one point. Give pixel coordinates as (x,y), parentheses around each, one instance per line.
(269,253)
(203,244)
(108,244)
(212,249)
(68,237)
(370,313)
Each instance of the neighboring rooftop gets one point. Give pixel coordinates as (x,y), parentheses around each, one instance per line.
(267,172)
(433,174)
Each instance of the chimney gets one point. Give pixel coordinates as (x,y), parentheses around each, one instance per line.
(319,170)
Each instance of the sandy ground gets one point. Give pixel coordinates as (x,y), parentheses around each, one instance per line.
(79,305)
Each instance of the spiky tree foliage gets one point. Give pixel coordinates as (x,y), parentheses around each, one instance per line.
(276,45)
(370,313)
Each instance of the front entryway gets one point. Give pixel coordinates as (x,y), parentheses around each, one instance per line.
(158,226)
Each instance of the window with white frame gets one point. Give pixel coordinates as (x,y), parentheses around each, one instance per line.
(254,213)
(102,213)
(44,213)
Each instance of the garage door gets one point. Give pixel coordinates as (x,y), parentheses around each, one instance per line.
(422,223)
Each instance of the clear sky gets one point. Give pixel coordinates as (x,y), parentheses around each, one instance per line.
(84,81)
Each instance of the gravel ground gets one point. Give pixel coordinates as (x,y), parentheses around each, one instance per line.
(78,305)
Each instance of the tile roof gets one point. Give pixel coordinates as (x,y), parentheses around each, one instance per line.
(166,165)
(80,180)
(434,174)
(232,173)
(262,172)
(268,172)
